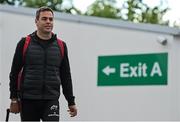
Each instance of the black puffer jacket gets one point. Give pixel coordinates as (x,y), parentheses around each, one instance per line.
(44,70)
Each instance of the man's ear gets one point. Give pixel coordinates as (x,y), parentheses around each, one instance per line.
(35,20)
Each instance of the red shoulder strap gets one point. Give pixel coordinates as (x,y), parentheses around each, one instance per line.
(26,44)
(61,45)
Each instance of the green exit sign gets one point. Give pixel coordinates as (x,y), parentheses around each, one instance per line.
(140,69)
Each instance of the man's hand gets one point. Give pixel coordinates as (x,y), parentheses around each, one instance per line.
(14,107)
(72,110)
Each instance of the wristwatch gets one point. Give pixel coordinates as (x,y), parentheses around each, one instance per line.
(14,101)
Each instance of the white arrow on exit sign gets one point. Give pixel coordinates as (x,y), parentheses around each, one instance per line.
(108,70)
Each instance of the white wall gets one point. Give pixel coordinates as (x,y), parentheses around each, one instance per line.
(85,43)
(177,70)
(0,64)
(117,103)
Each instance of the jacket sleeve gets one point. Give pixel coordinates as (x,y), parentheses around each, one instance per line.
(66,80)
(17,64)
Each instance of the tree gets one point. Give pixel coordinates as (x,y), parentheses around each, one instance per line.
(132,10)
(10,2)
(56,5)
(103,8)
(139,12)
(154,16)
(2,1)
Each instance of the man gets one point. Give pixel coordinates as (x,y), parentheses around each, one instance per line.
(44,69)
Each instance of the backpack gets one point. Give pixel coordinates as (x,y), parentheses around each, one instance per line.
(28,39)
(26,44)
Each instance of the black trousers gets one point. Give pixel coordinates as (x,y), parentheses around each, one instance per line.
(36,110)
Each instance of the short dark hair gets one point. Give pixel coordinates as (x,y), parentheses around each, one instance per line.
(42,9)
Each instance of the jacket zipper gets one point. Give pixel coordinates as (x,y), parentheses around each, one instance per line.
(44,72)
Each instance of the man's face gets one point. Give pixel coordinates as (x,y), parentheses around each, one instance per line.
(45,22)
